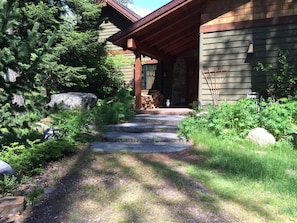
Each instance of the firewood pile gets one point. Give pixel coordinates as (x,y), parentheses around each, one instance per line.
(151,99)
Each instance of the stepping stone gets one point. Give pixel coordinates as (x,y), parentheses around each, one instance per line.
(152,137)
(158,119)
(142,127)
(139,147)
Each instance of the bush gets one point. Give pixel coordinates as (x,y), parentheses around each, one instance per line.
(30,160)
(72,122)
(115,110)
(282,77)
(236,120)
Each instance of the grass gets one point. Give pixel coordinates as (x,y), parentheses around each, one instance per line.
(259,181)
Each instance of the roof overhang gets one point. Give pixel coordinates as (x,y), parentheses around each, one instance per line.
(129,14)
(165,33)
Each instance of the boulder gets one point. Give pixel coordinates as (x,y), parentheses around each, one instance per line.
(73,100)
(5,168)
(261,137)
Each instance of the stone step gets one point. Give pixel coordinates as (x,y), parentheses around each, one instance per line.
(142,127)
(158,119)
(139,147)
(147,137)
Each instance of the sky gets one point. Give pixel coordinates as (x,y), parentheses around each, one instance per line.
(144,7)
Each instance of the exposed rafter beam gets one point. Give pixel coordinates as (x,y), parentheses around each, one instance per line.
(134,45)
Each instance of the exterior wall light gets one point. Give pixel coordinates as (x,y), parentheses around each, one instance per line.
(251,47)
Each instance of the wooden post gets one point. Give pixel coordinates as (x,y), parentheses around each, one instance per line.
(137,80)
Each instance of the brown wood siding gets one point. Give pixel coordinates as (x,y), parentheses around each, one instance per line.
(227,50)
(232,11)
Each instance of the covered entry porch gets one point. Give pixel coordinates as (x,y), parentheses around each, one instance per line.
(170,35)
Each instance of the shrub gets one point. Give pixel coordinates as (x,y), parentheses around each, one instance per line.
(282,76)
(71,122)
(30,160)
(237,119)
(115,110)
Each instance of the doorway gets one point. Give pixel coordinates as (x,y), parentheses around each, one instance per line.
(192,77)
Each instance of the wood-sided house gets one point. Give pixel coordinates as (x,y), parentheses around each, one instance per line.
(117,18)
(208,49)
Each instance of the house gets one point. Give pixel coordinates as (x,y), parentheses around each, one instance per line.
(117,17)
(208,49)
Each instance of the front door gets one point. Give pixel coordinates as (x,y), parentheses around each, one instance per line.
(192,80)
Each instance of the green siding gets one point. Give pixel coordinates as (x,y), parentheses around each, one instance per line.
(227,50)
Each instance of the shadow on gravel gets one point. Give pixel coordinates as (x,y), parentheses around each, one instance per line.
(54,205)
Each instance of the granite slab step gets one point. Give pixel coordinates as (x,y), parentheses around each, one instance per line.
(147,137)
(142,127)
(139,147)
(158,119)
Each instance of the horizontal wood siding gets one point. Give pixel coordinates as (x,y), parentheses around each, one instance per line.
(232,11)
(227,50)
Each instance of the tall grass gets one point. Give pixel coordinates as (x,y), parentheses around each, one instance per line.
(245,173)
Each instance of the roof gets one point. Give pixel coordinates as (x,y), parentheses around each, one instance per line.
(129,14)
(165,33)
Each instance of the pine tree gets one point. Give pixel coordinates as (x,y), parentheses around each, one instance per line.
(52,44)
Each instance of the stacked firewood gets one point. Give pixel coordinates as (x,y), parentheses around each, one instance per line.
(147,102)
(151,99)
(157,97)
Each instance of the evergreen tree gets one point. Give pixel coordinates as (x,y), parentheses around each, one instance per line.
(52,44)
(55,45)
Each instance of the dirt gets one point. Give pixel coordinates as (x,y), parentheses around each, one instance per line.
(120,187)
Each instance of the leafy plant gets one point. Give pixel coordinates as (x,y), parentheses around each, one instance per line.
(115,110)
(8,184)
(29,160)
(237,119)
(282,76)
(71,122)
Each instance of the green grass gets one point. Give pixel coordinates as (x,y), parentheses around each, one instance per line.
(261,180)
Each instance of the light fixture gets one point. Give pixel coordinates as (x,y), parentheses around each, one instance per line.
(251,47)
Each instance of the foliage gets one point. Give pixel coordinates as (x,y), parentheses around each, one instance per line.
(50,46)
(115,110)
(8,184)
(72,123)
(29,160)
(237,119)
(282,76)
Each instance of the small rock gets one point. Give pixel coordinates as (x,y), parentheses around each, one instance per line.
(10,206)
(261,137)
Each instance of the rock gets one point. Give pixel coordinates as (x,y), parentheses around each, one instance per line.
(40,127)
(73,100)
(18,100)
(10,206)
(51,133)
(261,137)
(5,168)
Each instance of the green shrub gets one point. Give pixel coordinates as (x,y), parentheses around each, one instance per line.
(29,160)
(282,76)
(8,184)
(279,118)
(72,122)
(115,110)
(237,119)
